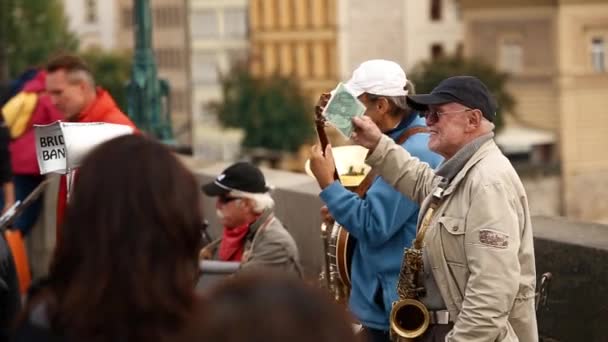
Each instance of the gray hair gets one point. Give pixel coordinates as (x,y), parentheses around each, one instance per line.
(261,202)
(410,88)
(487,126)
(399,103)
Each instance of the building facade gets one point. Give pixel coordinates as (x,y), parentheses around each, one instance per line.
(93,21)
(405,31)
(219,39)
(295,38)
(555,51)
(171,43)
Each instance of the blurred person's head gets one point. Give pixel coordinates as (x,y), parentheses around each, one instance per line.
(126,265)
(70,85)
(459,110)
(270,307)
(381,86)
(242,194)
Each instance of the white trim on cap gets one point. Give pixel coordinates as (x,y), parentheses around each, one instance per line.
(222,186)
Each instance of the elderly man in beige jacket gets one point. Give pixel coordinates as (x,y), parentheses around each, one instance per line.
(478,250)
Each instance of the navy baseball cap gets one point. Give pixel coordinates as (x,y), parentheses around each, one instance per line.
(467,90)
(241,176)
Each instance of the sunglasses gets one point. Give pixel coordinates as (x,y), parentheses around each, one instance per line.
(434,116)
(226,199)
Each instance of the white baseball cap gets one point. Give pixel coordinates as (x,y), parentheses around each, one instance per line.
(378,77)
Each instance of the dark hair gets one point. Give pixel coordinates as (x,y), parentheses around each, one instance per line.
(67,62)
(269,307)
(126,264)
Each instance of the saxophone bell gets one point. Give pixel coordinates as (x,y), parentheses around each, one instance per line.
(409,319)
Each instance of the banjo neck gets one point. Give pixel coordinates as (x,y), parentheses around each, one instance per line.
(320,127)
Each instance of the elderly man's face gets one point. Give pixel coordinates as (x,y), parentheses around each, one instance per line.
(448,128)
(232,211)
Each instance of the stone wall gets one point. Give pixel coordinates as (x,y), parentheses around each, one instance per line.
(576,253)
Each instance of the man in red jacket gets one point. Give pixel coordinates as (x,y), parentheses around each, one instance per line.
(70,84)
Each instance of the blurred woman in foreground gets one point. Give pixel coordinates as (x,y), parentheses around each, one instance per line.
(126,266)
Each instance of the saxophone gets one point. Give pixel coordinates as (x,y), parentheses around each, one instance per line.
(409,317)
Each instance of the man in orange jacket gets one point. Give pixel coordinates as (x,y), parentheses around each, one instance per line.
(71,86)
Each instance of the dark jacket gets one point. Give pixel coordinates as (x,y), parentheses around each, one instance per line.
(5,158)
(10,298)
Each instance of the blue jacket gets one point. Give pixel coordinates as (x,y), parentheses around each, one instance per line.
(384,223)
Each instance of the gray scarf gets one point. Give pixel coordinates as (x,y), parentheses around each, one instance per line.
(450,168)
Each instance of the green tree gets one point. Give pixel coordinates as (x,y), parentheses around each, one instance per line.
(32,31)
(111,71)
(427,76)
(272,112)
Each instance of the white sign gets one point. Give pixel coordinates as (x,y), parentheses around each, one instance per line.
(61,146)
(50,148)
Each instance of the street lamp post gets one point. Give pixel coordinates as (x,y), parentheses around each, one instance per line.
(148,100)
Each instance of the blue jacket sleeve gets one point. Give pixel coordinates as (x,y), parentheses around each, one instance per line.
(383,211)
(376,218)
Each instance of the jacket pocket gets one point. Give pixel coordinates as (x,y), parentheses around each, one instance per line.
(452,239)
(452,231)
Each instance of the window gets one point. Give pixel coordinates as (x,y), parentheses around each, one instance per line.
(169,58)
(457,9)
(460,49)
(436,51)
(436,10)
(204,68)
(598,54)
(235,23)
(510,56)
(205,24)
(179,100)
(90,8)
(127,18)
(167,16)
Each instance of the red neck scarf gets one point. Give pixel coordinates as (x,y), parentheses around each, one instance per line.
(232,245)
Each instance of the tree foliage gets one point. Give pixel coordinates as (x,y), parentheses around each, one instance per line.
(427,75)
(272,111)
(111,71)
(33,30)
